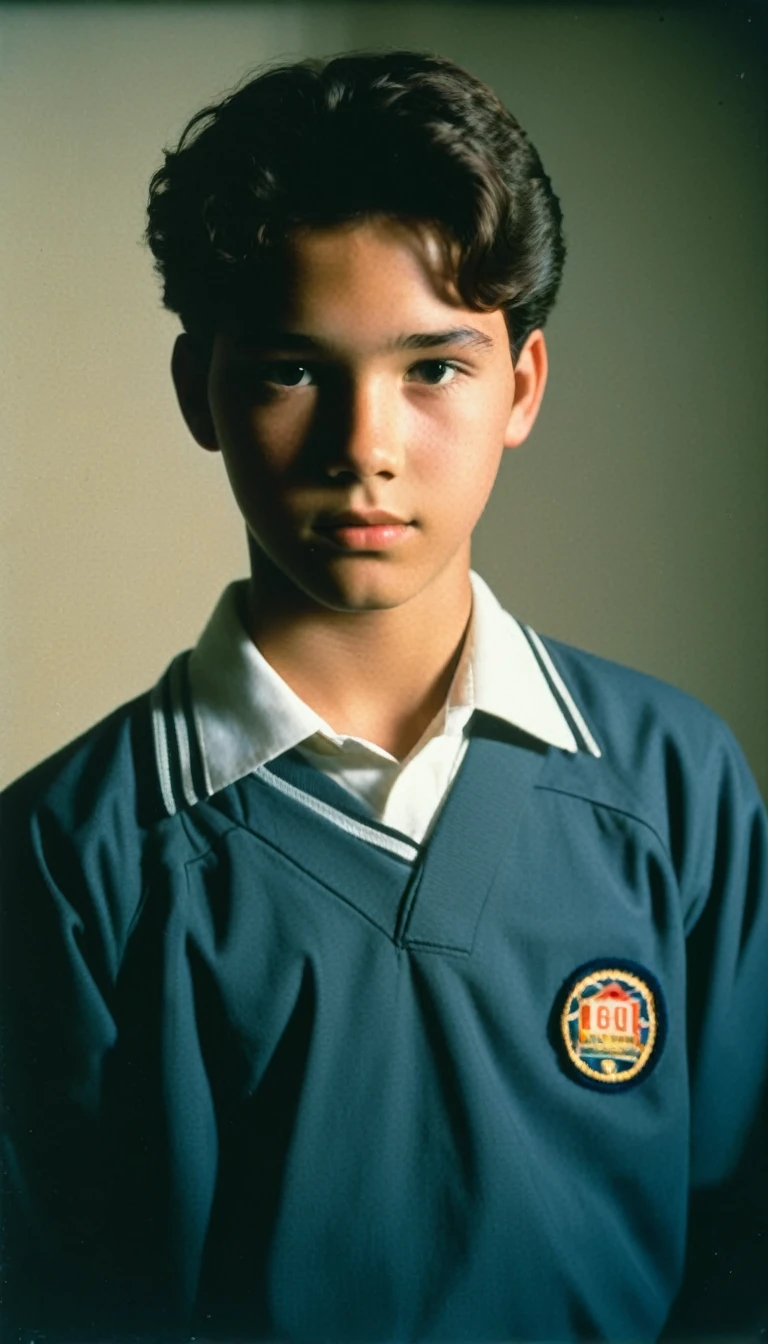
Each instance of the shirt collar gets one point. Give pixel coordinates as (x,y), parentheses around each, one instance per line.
(246,714)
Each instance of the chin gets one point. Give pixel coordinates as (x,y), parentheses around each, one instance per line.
(370,586)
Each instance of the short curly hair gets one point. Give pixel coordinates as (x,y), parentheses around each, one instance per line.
(403,134)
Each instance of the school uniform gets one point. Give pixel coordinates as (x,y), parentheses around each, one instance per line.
(301,1042)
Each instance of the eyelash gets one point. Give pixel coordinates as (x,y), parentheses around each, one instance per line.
(446,364)
(307,368)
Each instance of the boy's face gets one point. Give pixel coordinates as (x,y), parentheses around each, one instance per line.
(368,387)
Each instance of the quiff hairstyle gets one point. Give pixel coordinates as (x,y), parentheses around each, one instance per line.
(403,134)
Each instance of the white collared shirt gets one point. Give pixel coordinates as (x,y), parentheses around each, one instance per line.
(247,714)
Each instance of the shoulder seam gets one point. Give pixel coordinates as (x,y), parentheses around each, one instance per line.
(609,807)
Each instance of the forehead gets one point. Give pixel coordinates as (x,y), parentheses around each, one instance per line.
(362,251)
(367,280)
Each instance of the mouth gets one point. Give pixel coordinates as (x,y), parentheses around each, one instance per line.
(362,529)
(349,532)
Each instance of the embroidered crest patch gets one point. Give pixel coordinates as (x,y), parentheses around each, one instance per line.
(612,1024)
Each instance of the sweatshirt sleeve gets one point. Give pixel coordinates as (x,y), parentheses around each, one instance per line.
(70,881)
(722,842)
(57,1030)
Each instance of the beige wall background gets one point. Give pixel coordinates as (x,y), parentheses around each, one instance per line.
(633,523)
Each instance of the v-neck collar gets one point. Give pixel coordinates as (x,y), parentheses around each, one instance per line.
(426,896)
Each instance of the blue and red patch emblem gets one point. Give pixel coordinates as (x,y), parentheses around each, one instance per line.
(612,1024)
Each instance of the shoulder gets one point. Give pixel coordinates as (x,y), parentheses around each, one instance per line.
(139,765)
(665,759)
(631,711)
(110,765)
(78,831)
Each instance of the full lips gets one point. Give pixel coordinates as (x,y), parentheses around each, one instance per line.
(373,537)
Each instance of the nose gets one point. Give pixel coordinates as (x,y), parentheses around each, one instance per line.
(367,436)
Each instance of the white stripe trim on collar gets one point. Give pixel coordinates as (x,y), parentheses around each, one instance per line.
(509,681)
(402,848)
(576,715)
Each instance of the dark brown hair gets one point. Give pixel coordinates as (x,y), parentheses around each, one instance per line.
(403,134)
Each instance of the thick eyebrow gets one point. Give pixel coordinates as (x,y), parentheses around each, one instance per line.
(297,341)
(425,340)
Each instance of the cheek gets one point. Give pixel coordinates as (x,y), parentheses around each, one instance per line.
(459,462)
(250,423)
(259,445)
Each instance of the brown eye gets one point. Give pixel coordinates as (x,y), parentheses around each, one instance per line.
(435,370)
(284,373)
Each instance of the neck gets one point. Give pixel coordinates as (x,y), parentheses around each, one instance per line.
(381,675)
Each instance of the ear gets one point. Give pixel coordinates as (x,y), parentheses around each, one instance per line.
(189,368)
(530,380)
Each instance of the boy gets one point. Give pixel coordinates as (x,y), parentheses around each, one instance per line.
(387,971)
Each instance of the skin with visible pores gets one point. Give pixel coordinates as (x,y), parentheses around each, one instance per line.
(358,419)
